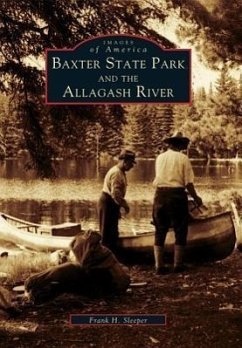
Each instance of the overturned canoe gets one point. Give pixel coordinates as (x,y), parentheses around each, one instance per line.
(209,238)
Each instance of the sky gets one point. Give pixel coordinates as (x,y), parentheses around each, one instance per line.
(201,75)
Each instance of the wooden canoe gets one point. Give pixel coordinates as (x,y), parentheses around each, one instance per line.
(35,236)
(209,238)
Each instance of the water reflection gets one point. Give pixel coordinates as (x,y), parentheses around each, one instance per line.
(144,170)
(73,196)
(50,212)
(84,212)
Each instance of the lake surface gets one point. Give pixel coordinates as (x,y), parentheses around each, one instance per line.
(73,195)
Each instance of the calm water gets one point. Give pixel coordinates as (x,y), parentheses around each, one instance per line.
(73,196)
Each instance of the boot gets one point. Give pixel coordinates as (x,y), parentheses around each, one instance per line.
(159,262)
(178,258)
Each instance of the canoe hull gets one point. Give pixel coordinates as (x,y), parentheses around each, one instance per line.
(209,239)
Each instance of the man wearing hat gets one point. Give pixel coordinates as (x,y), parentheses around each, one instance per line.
(173,176)
(112,199)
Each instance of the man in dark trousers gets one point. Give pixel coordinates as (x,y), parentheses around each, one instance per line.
(112,199)
(173,176)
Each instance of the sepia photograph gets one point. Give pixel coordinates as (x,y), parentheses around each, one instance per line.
(120,173)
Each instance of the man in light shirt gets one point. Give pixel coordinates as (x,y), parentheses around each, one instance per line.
(173,176)
(112,199)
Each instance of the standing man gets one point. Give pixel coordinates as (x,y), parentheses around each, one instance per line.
(112,199)
(173,175)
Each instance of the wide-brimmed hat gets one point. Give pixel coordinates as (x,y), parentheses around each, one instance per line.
(127,155)
(177,139)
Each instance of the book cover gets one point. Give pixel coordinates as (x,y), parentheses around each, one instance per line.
(81,80)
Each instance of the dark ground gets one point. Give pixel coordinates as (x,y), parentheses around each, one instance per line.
(203,308)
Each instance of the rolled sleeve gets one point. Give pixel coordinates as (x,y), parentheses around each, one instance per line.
(118,188)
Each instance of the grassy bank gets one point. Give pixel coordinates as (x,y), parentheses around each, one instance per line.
(19,267)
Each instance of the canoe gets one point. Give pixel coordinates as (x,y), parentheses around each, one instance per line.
(209,238)
(238,226)
(35,236)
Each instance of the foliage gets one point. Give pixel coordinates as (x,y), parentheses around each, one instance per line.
(86,131)
(147,125)
(138,133)
(214,122)
(161,125)
(3,118)
(29,27)
(214,27)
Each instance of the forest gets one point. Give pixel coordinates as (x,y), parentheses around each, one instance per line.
(213,123)
(27,28)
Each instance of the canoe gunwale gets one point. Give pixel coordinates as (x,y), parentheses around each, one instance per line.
(44,230)
(192,223)
(218,245)
(211,217)
(24,222)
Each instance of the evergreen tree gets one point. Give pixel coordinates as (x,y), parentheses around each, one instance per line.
(111,134)
(137,135)
(226,107)
(212,122)
(162,125)
(11,132)
(28,27)
(227,95)
(3,118)
(147,126)
(213,27)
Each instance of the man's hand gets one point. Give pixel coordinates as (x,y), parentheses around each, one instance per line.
(191,190)
(126,208)
(198,201)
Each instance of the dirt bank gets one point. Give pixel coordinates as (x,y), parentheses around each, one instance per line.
(203,308)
